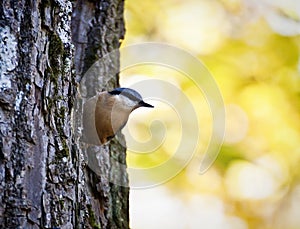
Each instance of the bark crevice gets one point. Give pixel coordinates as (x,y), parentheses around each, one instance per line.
(44,177)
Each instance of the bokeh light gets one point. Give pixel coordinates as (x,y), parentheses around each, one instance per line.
(252,48)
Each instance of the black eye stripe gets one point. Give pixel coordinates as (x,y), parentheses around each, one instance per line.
(114,92)
(130,96)
(126,94)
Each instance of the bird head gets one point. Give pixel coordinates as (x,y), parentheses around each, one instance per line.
(129,99)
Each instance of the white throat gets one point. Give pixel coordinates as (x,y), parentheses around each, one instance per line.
(125,102)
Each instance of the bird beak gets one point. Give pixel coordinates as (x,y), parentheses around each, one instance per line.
(143,104)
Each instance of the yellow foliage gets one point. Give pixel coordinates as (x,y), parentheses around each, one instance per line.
(257,70)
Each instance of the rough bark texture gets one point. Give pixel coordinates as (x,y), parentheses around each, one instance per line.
(46,180)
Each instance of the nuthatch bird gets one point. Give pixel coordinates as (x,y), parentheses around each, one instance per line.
(107,113)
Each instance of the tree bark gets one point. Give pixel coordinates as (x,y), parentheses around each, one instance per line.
(47,179)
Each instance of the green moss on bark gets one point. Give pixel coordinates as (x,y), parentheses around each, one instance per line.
(56,52)
(92,219)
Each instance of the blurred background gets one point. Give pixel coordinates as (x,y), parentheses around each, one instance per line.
(252,49)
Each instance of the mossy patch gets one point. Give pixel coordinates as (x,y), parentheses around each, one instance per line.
(56,53)
(92,219)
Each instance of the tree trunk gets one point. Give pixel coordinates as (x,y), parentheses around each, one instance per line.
(48,178)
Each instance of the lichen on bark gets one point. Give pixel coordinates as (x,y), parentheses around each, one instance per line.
(44,179)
